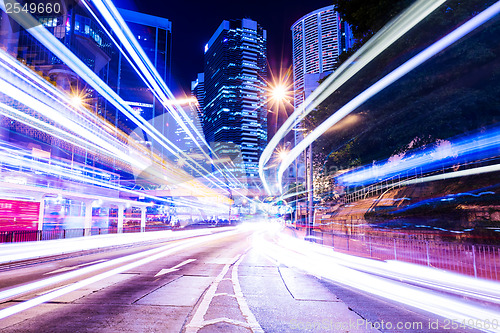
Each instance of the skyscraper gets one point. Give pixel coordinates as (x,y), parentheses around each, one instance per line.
(195,110)
(235,112)
(318,39)
(198,90)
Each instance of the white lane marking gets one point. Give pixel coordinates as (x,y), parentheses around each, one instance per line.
(227,320)
(175,268)
(225,294)
(70,268)
(198,322)
(247,313)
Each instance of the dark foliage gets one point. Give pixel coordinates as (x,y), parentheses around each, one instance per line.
(455,92)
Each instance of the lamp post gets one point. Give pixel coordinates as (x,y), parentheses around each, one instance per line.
(308,162)
(310,191)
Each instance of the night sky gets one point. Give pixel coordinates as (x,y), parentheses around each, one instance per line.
(194,22)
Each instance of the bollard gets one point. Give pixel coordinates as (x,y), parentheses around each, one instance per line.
(427,252)
(395,252)
(474,260)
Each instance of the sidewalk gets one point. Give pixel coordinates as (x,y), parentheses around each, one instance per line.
(285,300)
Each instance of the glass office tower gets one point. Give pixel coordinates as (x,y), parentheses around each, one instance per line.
(154,34)
(235,114)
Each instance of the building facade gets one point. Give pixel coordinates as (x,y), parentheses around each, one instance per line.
(234,112)
(198,90)
(154,35)
(318,39)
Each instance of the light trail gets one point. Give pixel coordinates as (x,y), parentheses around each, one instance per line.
(149,73)
(138,259)
(392,280)
(34,85)
(455,174)
(28,120)
(375,46)
(478,146)
(72,61)
(76,123)
(387,80)
(73,127)
(13,158)
(112,16)
(48,95)
(108,145)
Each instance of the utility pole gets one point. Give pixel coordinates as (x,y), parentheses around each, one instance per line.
(310,191)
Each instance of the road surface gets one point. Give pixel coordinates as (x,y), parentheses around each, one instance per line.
(211,283)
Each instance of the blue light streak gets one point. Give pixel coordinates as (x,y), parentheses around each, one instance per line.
(151,76)
(73,62)
(478,146)
(392,77)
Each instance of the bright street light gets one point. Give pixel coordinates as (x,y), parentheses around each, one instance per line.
(279,93)
(76,101)
(282,154)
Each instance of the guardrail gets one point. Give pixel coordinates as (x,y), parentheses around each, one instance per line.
(17,236)
(363,192)
(480,261)
(41,235)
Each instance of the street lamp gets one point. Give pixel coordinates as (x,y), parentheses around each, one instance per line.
(76,101)
(282,154)
(308,159)
(279,93)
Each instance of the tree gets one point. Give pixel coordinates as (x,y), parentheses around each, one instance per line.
(455,92)
(366,17)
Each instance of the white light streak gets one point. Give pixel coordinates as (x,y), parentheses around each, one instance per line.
(383,83)
(152,78)
(376,277)
(376,45)
(138,259)
(62,52)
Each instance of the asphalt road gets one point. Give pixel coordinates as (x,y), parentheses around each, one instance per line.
(216,283)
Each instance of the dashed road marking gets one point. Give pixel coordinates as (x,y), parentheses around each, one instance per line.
(198,321)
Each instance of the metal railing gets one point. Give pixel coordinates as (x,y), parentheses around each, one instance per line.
(41,235)
(17,236)
(379,188)
(480,261)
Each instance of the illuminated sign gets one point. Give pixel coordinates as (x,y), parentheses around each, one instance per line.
(18,215)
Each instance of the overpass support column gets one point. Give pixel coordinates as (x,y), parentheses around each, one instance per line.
(87,222)
(121,214)
(143,219)
(41,214)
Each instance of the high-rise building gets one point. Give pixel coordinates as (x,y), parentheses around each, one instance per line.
(235,110)
(154,35)
(318,39)
(78,31)
(198,90)
(195,110)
